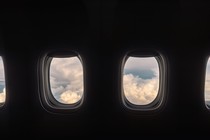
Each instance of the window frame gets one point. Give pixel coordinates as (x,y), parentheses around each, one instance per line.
(158,103)
(48,101)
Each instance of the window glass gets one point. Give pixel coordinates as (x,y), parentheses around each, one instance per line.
(2,83)
(207,85)
(141,80)
(66,79)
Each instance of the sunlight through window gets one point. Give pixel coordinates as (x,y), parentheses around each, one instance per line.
(141,80)
(66,79)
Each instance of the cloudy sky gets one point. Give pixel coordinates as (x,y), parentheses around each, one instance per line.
(66,79)
(207,82)
(141,80)
(2,82)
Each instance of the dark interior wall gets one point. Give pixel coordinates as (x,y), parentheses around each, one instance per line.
(102,32)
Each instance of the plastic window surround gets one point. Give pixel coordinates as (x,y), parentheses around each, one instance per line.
(47,99)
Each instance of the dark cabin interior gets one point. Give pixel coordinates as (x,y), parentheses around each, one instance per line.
(102,31)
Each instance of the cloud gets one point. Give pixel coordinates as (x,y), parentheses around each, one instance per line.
(3,96)
(66,79)
(1,70)
(207,82)
(141,80)
(70,97)
(2,80)
(207,87)
(140,91)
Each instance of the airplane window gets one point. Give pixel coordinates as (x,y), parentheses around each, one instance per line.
(141,80)
(144,81)
(207,85)
(2,83)
(66,79)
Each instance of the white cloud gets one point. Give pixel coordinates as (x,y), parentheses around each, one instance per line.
(137,90)
(140,91)
(1,70)
(70,97)
(207,82)
(2,96)
(207,87)
(66,79)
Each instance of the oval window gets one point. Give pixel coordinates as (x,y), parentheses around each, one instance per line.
(66,79)
(141,80)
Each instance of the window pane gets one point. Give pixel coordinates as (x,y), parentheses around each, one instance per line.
(2,83)
(66,79)
(207,85)
(141,80)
